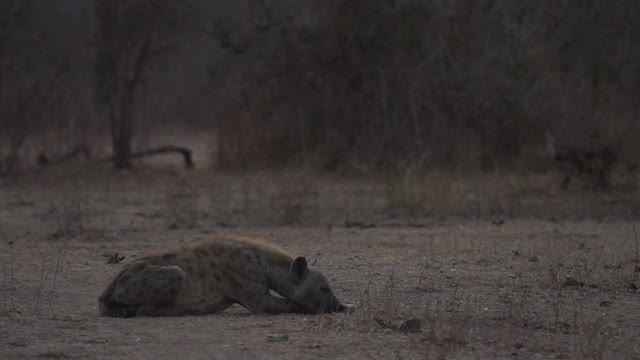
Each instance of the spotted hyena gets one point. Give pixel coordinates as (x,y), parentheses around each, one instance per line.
(211,275)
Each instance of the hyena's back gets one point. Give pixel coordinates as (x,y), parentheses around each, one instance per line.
(202,278)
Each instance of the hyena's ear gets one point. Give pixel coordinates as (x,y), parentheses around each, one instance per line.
(299,268)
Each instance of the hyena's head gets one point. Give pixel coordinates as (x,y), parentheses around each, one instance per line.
(311,288)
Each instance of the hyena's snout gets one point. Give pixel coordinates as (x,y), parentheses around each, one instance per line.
(333,305)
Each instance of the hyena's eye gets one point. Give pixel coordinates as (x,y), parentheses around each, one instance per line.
(325,290)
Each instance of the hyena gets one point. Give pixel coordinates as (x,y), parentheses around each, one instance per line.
(209,276)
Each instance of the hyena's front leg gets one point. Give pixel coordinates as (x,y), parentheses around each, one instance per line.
(142,289)
(154,310)
(258,299)
(270,304)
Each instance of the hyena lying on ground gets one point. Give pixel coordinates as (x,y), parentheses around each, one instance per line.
(211,275)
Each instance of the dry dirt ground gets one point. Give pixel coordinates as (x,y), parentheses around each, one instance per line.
(490,270)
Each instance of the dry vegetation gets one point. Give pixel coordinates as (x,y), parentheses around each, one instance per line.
(489,85)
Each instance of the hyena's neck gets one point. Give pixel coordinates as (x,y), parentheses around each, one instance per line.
(280,280)
(276,261)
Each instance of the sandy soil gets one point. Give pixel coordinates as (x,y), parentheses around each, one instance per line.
(485,285)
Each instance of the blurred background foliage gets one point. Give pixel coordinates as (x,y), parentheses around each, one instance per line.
(336,85)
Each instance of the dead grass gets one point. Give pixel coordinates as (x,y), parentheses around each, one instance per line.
(451,322)
(182,207)
(51,266)
(8,279)
(69,217)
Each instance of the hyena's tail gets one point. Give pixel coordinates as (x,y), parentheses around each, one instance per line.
(112,308)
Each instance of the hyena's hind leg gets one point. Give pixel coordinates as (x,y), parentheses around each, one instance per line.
(143,290)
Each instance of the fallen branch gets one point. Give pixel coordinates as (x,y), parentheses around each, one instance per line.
(185,152)
(45,160)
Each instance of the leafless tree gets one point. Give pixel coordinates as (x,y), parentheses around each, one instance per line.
(30,77)
(125,35)
(336,83)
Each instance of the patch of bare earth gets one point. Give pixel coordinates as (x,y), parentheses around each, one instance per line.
(497,274)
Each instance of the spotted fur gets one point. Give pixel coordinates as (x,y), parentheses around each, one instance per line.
(211,275)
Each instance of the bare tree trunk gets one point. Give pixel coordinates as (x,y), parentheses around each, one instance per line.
(119,77)
(121,138)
